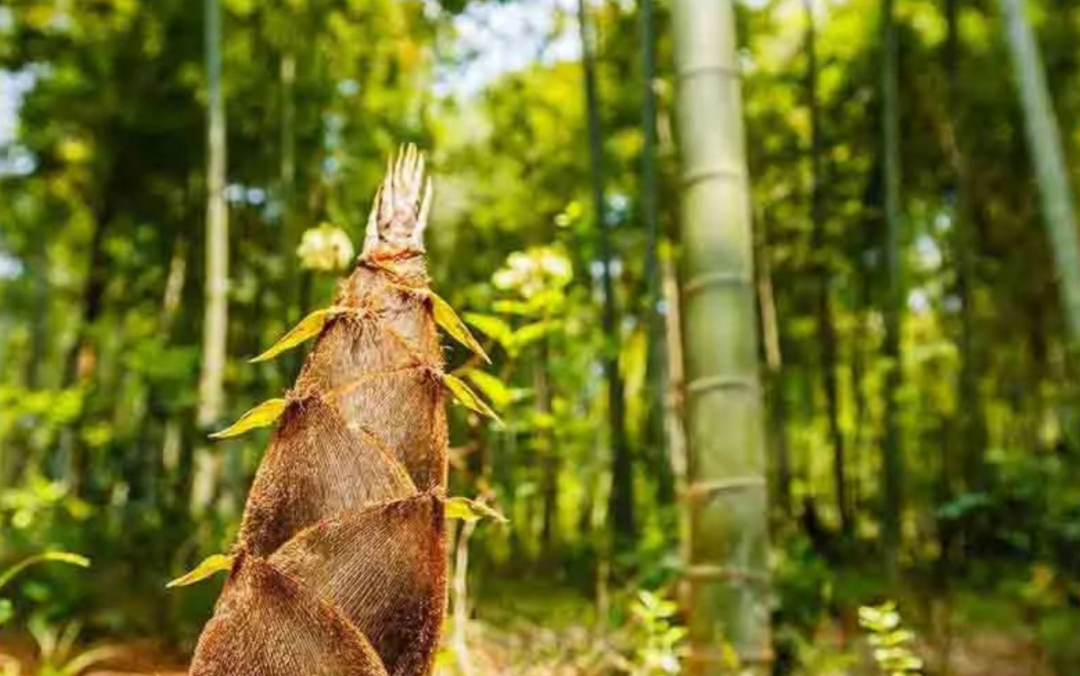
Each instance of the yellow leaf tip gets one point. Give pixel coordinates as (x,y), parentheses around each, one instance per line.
(465,395)
(308,327)
(471,510)
(68,557)
(263,415)
(206,568)
(445,316)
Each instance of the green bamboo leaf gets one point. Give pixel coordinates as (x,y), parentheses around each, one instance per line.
(262,415)
(514,307)
(494,327)
(493,389)
(530,333)
(308,327)
(209,566)
(470,510)
(60,557)
(466,396)
(450,322)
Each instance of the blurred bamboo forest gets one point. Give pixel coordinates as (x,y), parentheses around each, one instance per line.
(922,419)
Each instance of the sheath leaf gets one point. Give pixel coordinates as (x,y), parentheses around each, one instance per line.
(471,510)
(262,415)
(466,396)
(308,327)
(451,323)
(209,566)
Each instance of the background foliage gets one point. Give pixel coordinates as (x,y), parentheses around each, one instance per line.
(101,272)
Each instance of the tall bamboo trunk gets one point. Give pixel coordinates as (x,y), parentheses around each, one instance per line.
(291,220)
(863,435)
(549,454)
(892,461)
(621,506)
(39,321)
(774,370)
(656,377)
(1048,156)
(675,387)
(71,458)
(216,307)
(675,410)
(964,471)
(826,329)
(727,571)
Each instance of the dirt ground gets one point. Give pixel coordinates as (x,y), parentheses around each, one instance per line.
(490,654)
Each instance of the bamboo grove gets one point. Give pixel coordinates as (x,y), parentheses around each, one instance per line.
(779,299)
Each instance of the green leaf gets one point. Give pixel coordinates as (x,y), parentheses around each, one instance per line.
(450,322)
(466,396)
(494,327)
(209,566)
(514,307)
(6,611)
(308,327)
(60,557)
(490,386)
(470,510)
(262,415)
(897,637)
(530,333)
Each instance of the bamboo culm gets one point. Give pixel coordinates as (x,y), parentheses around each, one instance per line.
(726,576)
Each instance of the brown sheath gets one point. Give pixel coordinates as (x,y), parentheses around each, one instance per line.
(341,560)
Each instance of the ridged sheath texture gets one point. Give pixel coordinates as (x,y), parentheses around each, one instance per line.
(340,565)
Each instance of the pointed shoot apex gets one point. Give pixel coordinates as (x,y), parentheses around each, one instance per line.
(401,208)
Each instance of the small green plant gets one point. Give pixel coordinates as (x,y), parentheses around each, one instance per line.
(56,648)
(890,641)
(57,655)
(657,636)
(7,575)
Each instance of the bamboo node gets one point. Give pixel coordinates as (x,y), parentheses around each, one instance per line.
(707,279)
(695,176)
(701,491)
(709,383)
(709,68)
(710,571)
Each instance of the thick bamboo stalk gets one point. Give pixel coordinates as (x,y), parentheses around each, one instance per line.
(826,325)
(657,348)
(621,509)
(774,370)
(727,572)
(1044,138)
(892,467)
(216,308)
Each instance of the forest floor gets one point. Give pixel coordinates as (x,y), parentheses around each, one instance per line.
(577,652)
(548,630)
(997,654)
(530,650)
